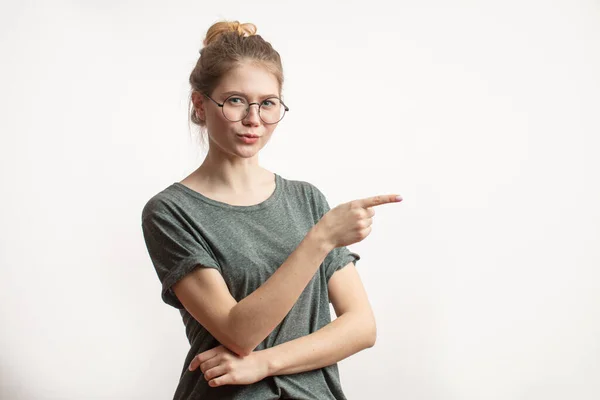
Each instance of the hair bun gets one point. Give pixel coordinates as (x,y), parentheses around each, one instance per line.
(223,27)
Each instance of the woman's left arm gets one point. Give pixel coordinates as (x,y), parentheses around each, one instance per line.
(352,331)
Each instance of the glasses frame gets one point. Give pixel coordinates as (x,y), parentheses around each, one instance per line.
(286,108)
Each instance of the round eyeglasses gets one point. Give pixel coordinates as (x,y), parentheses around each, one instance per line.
(236,107)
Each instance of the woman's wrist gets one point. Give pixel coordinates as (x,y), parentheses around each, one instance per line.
(320,239)
(267,360)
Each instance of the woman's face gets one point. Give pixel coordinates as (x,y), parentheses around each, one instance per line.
(256,84)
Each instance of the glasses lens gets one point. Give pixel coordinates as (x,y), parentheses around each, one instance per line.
(234,108)
(271,110)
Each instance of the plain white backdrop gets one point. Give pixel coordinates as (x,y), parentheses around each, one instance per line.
(484,116)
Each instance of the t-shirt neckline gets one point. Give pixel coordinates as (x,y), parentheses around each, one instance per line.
(266,203)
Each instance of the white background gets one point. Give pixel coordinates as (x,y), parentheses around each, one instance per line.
(484,116)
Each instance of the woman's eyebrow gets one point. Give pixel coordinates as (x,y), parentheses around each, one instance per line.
(245,95)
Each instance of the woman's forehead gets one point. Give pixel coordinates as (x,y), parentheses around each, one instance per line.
(250,80)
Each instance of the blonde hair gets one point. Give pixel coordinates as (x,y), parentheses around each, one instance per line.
(222,27)
(227,45)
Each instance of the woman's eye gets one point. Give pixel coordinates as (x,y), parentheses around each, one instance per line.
(269,103)
(237,100)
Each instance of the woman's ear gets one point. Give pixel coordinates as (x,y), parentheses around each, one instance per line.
(198,101)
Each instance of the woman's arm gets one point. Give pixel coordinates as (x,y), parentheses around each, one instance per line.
(353,331)
(241,326)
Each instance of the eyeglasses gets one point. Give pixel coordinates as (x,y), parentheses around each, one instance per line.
(236,108)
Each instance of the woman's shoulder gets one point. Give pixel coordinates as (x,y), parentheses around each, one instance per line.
(303,186)
(163,202)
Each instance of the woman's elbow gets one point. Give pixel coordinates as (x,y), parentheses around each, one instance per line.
(370,333)
(372,337)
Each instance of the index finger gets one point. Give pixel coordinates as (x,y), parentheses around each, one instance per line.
(379,200)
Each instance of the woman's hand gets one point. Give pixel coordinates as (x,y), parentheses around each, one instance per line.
(351,222)
(223,367)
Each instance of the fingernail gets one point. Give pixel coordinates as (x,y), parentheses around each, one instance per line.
(398,198)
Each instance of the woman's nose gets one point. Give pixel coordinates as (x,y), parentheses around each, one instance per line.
(253,114)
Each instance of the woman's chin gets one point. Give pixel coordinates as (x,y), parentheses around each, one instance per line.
(246,151)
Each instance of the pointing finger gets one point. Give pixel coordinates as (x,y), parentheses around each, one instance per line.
(379,200)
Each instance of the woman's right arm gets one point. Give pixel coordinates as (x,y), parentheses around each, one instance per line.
(241,326)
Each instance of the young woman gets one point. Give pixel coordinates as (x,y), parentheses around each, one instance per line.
(250,258)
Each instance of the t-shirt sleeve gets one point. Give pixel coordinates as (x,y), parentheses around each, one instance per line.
(340,256)
(175,250)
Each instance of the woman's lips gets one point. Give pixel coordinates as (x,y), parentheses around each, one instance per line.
(248,139)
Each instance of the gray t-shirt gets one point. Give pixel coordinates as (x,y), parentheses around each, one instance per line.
(184,229)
